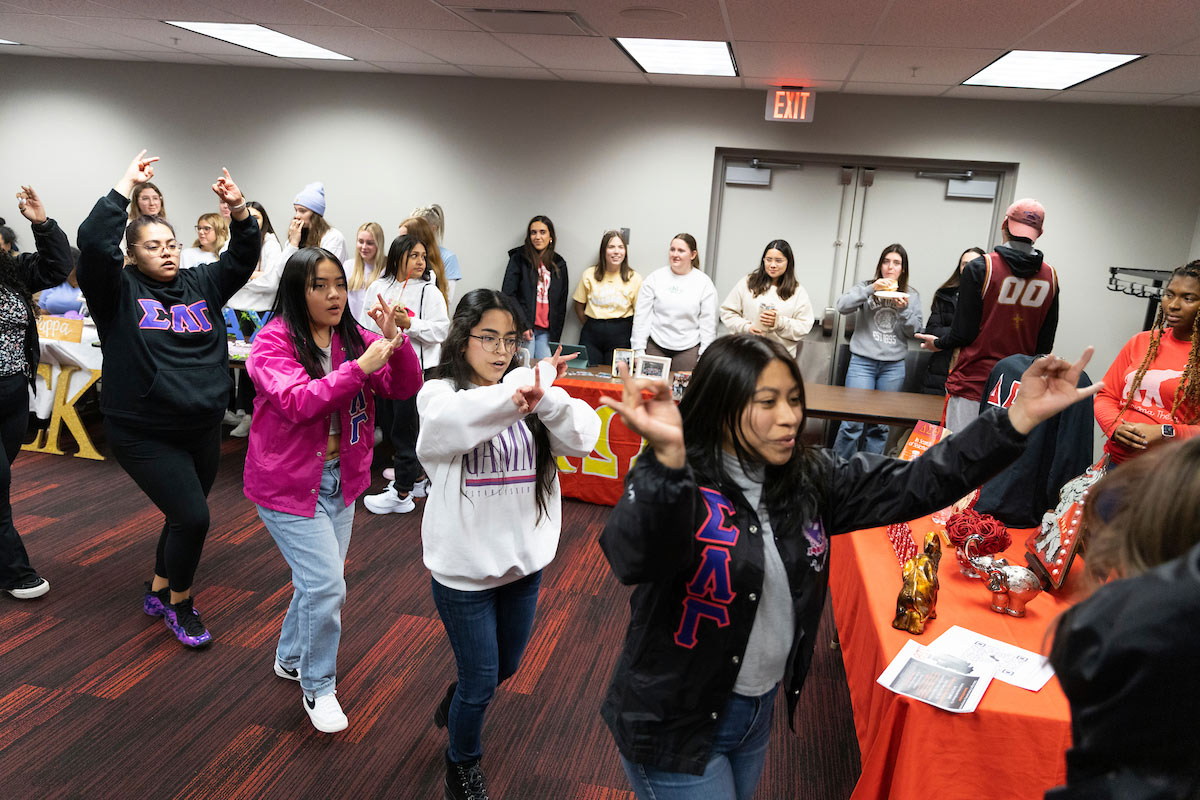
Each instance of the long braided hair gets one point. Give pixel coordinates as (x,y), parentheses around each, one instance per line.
(1188,391)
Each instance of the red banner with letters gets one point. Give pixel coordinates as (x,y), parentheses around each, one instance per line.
(600,476)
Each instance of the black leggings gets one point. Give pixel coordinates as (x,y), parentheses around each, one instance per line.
(400,421)
(176,470)
(602,336)
(14,419)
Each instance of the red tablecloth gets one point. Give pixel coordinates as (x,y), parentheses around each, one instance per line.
(1012,746)
(599,477)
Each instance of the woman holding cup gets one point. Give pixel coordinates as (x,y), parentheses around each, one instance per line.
(769,301)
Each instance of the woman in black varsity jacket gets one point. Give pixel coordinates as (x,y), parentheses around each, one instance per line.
(727,541)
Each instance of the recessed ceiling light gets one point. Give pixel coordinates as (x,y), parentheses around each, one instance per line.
(264,40)
(680,56)
(1038,69)
(6,41)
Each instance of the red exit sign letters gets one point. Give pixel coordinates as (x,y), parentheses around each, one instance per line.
(790,104)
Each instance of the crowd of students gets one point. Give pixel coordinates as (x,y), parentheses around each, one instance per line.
(724,526)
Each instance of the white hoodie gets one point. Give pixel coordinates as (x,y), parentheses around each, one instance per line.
(430,323)
(480,528)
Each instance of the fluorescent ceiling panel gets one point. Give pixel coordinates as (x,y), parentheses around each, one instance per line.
(680,56)
(1038,69)
(264,40)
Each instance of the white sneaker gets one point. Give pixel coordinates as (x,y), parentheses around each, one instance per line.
(420,488)
(378,436)
(33,587)
(389,502)
(284,672)
(232,417)
(389,474)
(326,713)
(243,428)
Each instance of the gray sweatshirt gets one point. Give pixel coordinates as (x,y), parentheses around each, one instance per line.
(881,331)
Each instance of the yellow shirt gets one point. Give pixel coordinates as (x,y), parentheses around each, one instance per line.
(611,298)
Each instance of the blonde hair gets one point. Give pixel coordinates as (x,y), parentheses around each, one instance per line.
(423,231)
(434,215)
(220,230)
(358,279)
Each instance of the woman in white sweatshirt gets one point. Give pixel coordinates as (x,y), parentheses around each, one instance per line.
(676,313)
(489,438)
(421,313)
(769,301)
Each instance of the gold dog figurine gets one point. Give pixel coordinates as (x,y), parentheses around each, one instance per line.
(917,603)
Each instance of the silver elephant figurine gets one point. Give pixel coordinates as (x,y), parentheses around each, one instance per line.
(1011,587)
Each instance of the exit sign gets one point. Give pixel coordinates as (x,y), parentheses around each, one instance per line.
(790,105)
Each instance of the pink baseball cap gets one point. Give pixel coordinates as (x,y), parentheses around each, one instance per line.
(1025,218)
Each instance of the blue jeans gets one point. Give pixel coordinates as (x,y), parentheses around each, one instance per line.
(488,631)
(738,752)
(867,373)
(315,548)
(539,346)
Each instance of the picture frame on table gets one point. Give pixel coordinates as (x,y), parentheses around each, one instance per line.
(655,368)
(629,357)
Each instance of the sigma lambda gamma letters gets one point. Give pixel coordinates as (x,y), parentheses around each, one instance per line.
(180,318)
(710,591)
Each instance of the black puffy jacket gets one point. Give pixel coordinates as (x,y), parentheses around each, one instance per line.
(520,283)
(941,318)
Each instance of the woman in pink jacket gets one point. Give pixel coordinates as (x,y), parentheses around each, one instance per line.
(316,371)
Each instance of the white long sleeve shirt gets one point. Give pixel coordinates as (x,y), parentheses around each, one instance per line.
(429,326)
(259,292)
(480,528)
(333,241)
(676,311)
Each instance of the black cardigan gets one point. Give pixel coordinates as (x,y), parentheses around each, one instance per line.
(696,557)
(520,283)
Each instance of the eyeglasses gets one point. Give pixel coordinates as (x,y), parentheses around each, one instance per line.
(493,343)
(154,248)
(204,229)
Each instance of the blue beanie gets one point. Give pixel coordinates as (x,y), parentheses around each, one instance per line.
(312,197)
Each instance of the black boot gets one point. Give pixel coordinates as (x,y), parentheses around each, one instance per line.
(441,714)
(465,781)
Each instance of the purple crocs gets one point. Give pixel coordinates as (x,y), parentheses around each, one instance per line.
(184,622)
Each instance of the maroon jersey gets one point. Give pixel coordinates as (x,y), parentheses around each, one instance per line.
(1014,309)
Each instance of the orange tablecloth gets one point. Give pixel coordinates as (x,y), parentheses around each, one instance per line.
(1012,746)
(599,477)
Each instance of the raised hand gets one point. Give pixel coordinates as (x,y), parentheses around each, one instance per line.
(228,191)
(559,362)
(31,205)
(1047,387)
(655,417)
(384,314)
(140,170)
(526,398)
(377,354)
(295,230)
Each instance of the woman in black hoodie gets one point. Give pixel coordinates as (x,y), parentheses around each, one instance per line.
(536,278)
(20,276)
(166,371)
(941,318)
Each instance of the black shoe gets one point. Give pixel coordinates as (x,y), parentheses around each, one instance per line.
(29,588)
(441,714)
(465,781)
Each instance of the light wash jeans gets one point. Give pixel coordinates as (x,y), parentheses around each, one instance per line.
(867,373)
(732,773)
(315,548)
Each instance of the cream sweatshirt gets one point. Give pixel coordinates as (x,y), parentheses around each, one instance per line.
(676,311)
(793,317)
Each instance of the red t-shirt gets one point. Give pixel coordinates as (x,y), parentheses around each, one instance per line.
(542,315)
(1014,309)
(1153,400)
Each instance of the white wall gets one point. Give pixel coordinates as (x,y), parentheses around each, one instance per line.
(1121,184)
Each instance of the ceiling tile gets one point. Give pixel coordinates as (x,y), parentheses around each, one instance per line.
(685,19)
(1116,26)
(99,53)
(1170,74)
(419,14)
(814,21)
(408,68)
(769,83)
(66,8)
(335,66)
(996,93)
(357,42)
(570,52)
(946,65)
(1112,98)
(252,59)
(597,76)
(909,89)
(795,65)
(1191,48)
(38,30)
(522,73)
(1184,100)
(270,12)
(696,81)
(937,23)
(465,48)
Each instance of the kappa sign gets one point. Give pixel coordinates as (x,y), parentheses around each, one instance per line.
(790,105)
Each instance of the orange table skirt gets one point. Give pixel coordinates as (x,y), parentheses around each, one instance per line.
(599,477)
(1012,746)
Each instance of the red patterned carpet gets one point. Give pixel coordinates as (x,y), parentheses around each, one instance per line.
(97,700)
